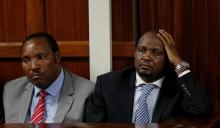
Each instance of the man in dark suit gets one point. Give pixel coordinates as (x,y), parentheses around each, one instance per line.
(118,95)
(48,93)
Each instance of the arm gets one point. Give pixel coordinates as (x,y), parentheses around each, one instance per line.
(195,100)
(95,110)
(170,48)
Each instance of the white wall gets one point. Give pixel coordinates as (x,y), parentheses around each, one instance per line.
(100,39)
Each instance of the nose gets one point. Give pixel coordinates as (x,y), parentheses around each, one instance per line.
(34,65)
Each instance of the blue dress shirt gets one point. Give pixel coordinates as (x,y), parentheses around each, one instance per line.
(51,99)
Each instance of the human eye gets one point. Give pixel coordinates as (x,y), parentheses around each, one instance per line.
(25,60)
(141,50)
(41,56)
(157,52)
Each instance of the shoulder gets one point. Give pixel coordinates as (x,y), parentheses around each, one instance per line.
(78,80)
(123,77)
(77,77)
(15,88)
(119,74)
(16,83)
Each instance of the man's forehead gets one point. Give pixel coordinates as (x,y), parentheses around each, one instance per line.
(35,42)
(151,41)
(33,47)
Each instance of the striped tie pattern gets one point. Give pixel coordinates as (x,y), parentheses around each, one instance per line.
(142,113)
(38,115)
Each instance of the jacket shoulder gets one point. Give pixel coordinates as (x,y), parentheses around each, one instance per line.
(78,78)
(16,84)
(119,74)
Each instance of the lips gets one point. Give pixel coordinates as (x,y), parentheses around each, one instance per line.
(145,65)
(35,75)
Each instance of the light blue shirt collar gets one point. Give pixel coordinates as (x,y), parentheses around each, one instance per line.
(54,88)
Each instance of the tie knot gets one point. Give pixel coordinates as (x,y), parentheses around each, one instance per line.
(147,88)
(43,93)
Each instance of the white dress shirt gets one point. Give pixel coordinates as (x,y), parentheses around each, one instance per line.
(152,97)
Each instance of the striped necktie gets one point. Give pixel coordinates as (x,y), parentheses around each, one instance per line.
(142,112)
(38,115)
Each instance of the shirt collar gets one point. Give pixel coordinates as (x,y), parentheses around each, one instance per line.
(139,81)
(54,88)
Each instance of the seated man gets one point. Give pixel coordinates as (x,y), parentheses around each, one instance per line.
(150,92)
(48,93)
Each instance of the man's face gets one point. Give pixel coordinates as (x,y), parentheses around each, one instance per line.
(150,58)
(39,63)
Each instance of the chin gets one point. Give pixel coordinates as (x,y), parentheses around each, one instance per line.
(38,84)
(144,73)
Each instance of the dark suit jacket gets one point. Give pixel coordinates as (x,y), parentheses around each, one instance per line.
(113,98)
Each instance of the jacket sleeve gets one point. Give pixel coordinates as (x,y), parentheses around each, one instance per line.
(195,100)
(95,110)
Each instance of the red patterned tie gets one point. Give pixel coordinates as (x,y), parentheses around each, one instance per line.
(38,115)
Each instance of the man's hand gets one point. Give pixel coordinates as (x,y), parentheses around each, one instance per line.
(170,48)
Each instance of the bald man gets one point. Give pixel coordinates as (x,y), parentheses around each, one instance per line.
(120,96)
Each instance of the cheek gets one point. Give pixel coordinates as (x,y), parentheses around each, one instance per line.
(45,65)
(160,63)
(136,61)
(25,68)
(49,68)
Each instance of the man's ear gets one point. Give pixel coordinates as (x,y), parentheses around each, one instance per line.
(57,56)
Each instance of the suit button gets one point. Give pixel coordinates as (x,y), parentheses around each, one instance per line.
(183,85)
(188,93)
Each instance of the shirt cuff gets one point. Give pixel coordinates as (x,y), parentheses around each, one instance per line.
(184,73)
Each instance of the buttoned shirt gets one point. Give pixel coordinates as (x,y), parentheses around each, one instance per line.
(153,95)
(51,99)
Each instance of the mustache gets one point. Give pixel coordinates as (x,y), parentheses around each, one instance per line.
(145,63)
(35,73)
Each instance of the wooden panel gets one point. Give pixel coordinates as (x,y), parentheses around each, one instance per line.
(213,20)
(79,66)
(69,49)
(1,21)
(199,44)
(122,20)
(12,20)
(35,16)
(121,62)
(67,19)
(10,69)
(123,49)
(155,14)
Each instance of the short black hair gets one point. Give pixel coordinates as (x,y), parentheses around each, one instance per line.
(50,39)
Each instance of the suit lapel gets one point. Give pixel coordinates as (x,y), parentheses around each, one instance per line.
(164,98)
(128,89)
(66,98)
(25,102)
